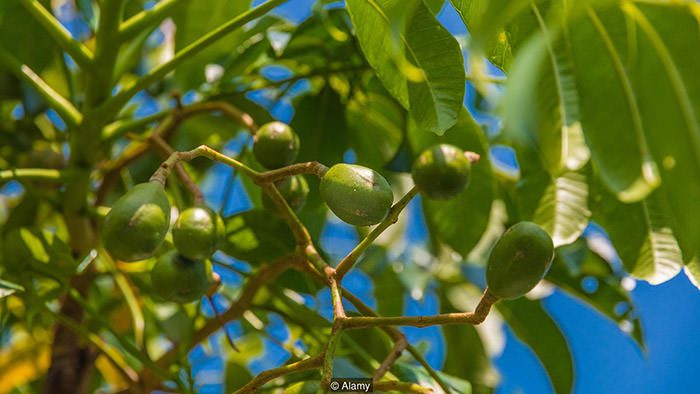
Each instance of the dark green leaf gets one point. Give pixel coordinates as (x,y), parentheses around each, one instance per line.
(257,236)
(537,330)
(433,96)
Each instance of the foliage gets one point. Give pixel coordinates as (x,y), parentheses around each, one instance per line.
(599,102)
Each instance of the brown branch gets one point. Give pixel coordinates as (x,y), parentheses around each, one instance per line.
(271,374)
(476,317)
(264,275)
(311,167)
(165,129)
(349,261)
(182,174)
(399,346)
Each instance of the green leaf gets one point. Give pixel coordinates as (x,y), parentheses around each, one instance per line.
(417,374)
(237,375)
(319,120)
(195,18)
(257,236)
(633,55)
(376,124)
(8,288)
(665,72)
(461,221)
(434,97)
(574,264)
(692,271)
(538,331)
(640,233)
(563,209)
(466,355)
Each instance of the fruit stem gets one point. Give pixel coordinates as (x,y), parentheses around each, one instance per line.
(474,318)
(311,167)
(185,178)
(349,261)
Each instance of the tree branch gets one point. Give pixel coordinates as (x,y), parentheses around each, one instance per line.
(266,376)
(44,174)
(82,56)
(63,107)
(476,317)
(145,19)
(347,263)
(117,102)
(254,283)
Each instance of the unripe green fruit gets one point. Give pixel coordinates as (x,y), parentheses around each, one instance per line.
(137,223)
(197,232)
(441,172)
(275,145)
(294,189)
(357,195)
(519,260)
(176,278)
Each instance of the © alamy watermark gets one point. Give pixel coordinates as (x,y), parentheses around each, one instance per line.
(350,385)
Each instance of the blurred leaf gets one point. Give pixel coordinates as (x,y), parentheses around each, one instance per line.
(575,265)
(417,374)
(237,375)
(634,56)
(460,222)
(465,356)
(563,209)
(434,97)
(257,236)
(195,18)
(178,327)
(640,233)
(320,122)
(692,271)
(555,126)
(310,387)
(538,331)
(8,288)
(376,124)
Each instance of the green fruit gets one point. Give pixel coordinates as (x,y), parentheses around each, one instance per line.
(137,223)
(441,172)
(197,232)
(519,260)
(294,190)
(357,195)
(176,278)
(275,145)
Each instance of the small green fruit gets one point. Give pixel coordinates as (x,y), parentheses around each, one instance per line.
(176,278)
(275,145)
(137,223)
(197,232)
(441,172)
(294,190)
(519,260)
(357,195)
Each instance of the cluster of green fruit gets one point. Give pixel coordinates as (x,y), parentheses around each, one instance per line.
(362,197)
(136,227)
